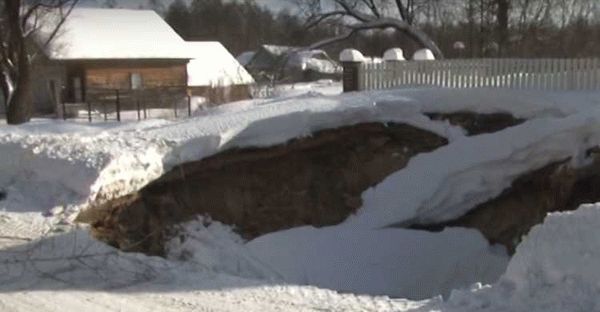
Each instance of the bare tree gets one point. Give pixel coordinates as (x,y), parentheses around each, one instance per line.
(21,22)
(361,15)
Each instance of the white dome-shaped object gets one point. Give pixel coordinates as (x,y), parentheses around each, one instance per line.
(395,54)
(423,55)
(459,45)
(351,55)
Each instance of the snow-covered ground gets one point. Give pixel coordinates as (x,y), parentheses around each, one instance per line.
(50,170)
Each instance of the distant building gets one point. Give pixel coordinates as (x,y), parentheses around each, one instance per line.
(245,57)
(290,64)
(215,74)
(99,50)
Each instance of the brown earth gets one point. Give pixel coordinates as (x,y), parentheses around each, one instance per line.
(310,181)
(508,217)
(475,123)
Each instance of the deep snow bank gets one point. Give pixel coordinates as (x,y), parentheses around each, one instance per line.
(395,262)
(453,179)
(555,269)
(95,155)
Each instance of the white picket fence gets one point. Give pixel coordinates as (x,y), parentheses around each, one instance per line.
(535,74)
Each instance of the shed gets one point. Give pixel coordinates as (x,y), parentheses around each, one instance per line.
(215,74)
(109,49)
(292,64)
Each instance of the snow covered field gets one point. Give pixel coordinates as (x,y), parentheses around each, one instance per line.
(51,170)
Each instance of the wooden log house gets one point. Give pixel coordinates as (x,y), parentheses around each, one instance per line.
(99,51)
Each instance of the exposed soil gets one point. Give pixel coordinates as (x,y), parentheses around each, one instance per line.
(310,181)
(508,217)
(475,123)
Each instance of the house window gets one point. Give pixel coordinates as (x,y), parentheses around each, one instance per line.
(136,81)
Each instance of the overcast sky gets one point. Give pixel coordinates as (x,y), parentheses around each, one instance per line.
(275,5)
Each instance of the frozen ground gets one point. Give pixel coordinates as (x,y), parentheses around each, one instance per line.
(52,169)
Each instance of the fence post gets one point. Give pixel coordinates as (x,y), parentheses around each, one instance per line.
(189,104)
(137,104)
(351,63)
(118,104)
(145,110)
(175,108)
(64,110)
(89,107)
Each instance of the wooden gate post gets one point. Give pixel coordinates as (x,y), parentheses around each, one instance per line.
(118,104)
(89,107)
(351,62)
(189,104)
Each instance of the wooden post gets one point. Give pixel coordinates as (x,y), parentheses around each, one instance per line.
(175,107)
(189,104)
(89,107)
(105,112)
(145,110)
(118,104)
(350,76)
(64,110)
(137,103)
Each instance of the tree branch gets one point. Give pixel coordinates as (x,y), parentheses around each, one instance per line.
(383,23)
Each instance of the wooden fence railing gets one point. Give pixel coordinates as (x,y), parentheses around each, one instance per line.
(535,74)
(110,104)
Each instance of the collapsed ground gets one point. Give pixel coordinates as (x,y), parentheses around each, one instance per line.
(373,175)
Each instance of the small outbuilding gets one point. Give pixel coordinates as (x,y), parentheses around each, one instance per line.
(291,64)
(109,49)
(213,73)
(99,52)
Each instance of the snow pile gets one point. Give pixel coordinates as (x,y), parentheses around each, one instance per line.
(447,182)
(42,171)
(555,269)
(558,263)
(216,248)
(394,262)
(351,55)
(423,55)
(394,54)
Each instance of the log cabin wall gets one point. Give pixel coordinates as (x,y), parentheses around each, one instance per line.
(118,75)
(220,95)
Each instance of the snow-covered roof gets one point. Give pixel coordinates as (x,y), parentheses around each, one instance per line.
(315,60)
(278,50)
(91,33)
(245,57)
(212,65)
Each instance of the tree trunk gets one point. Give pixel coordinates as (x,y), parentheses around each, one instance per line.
(20,103)
(503,7)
